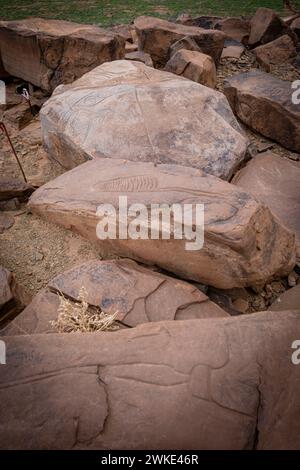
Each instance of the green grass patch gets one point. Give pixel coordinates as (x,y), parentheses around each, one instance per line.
(108,12)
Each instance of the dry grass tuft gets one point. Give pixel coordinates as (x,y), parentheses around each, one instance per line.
(80,317)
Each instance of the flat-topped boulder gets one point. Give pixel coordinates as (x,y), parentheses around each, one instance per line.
(137,294)
(244,245)
(264,103)
(47,53)
(156,36)
(226,383)
(193,65)
(275,181)
(124,109)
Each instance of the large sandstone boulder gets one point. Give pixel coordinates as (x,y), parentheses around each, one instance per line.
(280,51)
(264,103)
(266,26)
(156,36)
(49,52)
(193,65)
(243,244)
(275,181)
(199,384)
(11,299)
(138,294)
(124,109)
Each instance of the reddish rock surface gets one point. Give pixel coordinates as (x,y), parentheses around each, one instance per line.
(280,51)
(124,109)
(12,188)
(193,65)
(47,53)
(243,244)
(264,103)
(140,56)
(237,28)
(289,300)
(208,384)
(266,26)
(138,294)
(156,37)
(274,180)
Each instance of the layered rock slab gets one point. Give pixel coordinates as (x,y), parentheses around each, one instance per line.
(125,109)
(244,245)
(209,384)
(156,36)
(264,102)
(275,181)
(49,52)
(138,294)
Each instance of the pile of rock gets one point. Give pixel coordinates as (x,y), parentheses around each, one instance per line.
(149,126)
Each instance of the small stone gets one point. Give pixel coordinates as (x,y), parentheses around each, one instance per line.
(241,304)
(292,279)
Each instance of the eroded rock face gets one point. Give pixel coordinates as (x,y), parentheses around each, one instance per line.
(156,36)
(266,26)
(193,65)
(279,51)
(274,180)
(138,294)
(49,52)
(231,377)
(243,244)
(295,26)
(124,109)
(264,103)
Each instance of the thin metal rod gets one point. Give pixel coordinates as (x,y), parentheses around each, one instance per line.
(3,128)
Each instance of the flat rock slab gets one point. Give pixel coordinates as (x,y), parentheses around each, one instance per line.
(233,51)
(13,188)
(208,384)
(49,52)
(290,299)
(124,109)
(243,244)
(264,103)
(193,65)
(156,36)
(138,294)
(275,181)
